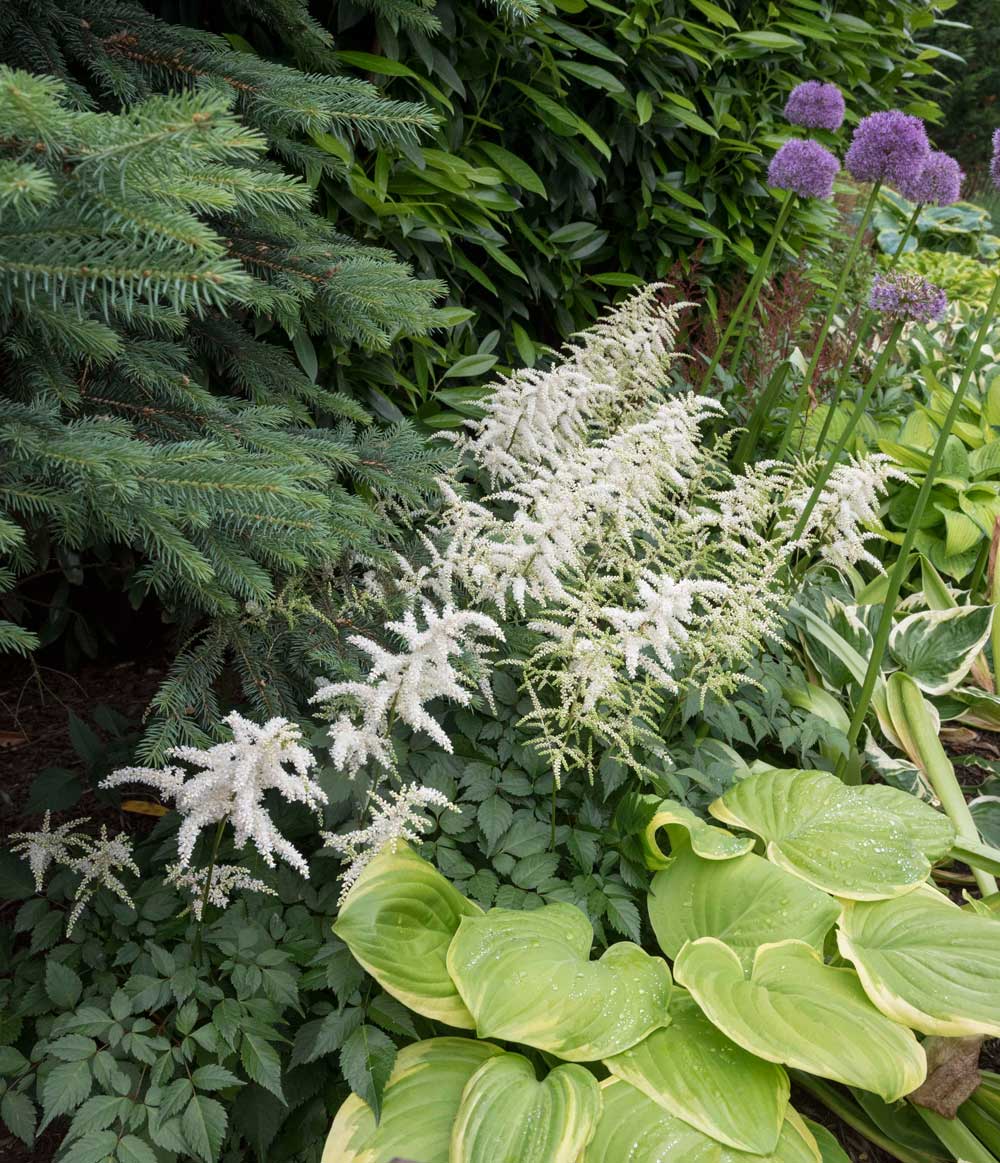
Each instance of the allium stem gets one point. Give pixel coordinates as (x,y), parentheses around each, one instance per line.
(749,297)
(824,330)
(849,428)
(864,329)
(898,571)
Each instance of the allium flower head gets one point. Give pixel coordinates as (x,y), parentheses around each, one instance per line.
(804,167)
(816,106)
(908,296)
(891,146)
(939,183)
(995,162)
(231,785)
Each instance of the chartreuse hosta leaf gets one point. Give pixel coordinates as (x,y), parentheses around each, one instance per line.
(527,977)
(635,1129)
(398,921)
(508,1116)
(419,1107)
(863,843)
(642,816)
(937,648)
(696,1073)
(746,902)
(926,963)
(793,1009)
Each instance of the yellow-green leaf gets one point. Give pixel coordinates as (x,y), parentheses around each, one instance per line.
(527,977)
(398,921)
(795,1010)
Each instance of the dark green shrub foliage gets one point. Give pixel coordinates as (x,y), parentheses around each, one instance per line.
(154,264)
(598,146)
(970,110)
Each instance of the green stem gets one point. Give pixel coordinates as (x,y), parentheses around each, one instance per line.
(956,1137)
(851,1114)
(995,628)
(748,442)
(849,428)
(898,570)
(749,295)
(208,884)
(824,330)
(864,329)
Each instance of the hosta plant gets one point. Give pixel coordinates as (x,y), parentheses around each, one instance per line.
(828,955)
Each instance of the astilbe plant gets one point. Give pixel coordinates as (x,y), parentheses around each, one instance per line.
(629,564)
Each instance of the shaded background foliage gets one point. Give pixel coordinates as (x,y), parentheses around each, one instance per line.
(596,147)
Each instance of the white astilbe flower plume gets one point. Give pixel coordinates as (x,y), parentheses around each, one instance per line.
(653,634)
(399,685)
(536,419)
(393,819)
(848,502)
(98,867)
(231,783)
(95,861)
(49,846)
(226,880)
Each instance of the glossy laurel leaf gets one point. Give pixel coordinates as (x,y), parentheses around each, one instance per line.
(795,1010)
(746,902)
(695,1072)
(419,1106)
(508,1116)
(527,977)
(398,921)
(635,1128)
(855,842)
(926,963)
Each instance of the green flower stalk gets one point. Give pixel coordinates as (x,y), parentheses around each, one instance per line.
(864,330)
(834,307)
(898,570)
(749,296)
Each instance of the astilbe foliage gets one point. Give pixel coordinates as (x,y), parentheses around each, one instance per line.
(154,263)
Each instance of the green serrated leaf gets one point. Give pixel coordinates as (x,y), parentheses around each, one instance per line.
(260,1060)
(367,1058)
(62,985)
(203,1125)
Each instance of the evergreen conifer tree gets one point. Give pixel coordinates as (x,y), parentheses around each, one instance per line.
(156,258)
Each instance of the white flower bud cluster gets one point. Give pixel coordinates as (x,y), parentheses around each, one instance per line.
(231,784)
(226,880)
(393,819)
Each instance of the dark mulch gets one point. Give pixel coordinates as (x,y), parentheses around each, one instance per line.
(35,704)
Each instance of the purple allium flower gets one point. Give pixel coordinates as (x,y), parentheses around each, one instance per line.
(804,167)
(816,106)
(939,182)
(995,163)
(888,147)
(908,296)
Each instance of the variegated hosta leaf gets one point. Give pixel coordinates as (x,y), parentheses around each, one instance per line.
(527,977)
(634,1129)
(419,1106)
(795,1010)
(508,1116)
(640,817)
(844,840)
(696,1073)
(747,902)
(937,648)
(926,963)
(931,830)
(398,921)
